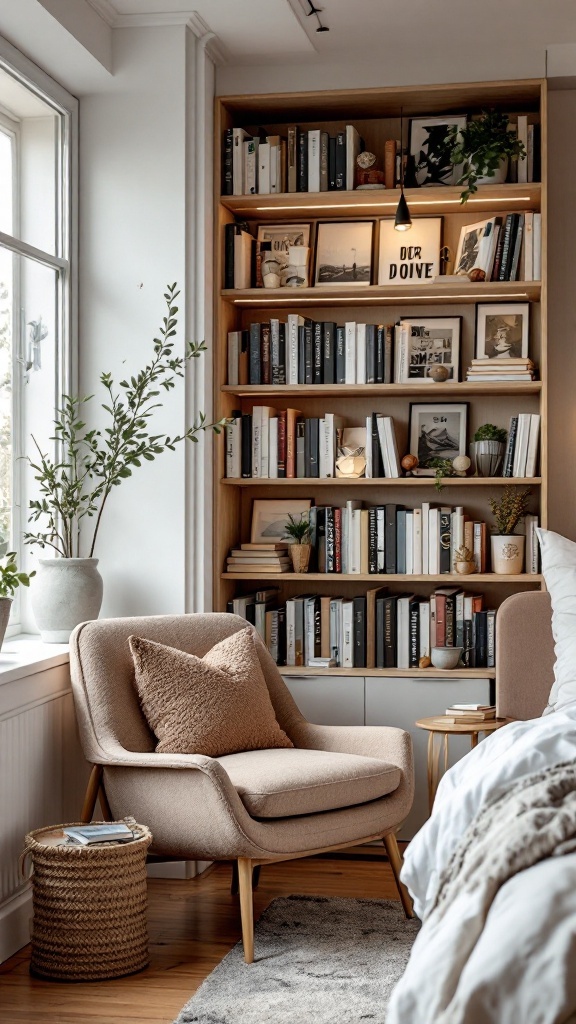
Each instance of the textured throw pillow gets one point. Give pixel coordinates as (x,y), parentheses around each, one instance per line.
(215,705)
(559,569)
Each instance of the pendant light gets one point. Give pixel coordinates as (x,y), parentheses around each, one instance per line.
(402,220)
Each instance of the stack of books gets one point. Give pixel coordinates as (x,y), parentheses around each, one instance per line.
(507,369)
(470,714)
(269,558)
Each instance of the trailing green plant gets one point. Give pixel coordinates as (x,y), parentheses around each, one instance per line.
(480,146)
(298,530)
(90,463)
(489,432)
(10,578)
(509,509)
(443,468)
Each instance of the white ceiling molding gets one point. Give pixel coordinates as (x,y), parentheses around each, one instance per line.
(214,48)
(212,45)
(107,12)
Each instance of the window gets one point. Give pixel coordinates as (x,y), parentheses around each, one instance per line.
(37,280)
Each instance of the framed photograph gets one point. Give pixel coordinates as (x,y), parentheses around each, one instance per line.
(344,253)
(438,430)
(269,518)
(275,244)
(412,257)
(430,152)
(476,249)
(426,342)
(502,330)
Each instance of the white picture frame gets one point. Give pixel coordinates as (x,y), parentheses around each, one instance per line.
(430,153)
(344,253)
(269,518)
(430,341)
(502,330)
(411,257)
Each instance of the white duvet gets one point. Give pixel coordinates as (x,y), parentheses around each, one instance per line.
(523,968)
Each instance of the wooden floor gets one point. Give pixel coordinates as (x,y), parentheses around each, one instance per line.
(192,925)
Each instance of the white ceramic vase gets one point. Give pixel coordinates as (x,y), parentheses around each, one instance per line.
(499,175)
(65,592)
(5,609)
(507,555)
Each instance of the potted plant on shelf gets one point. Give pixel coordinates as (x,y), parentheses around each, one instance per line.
(483,148)
(10,580)
(299,533)
(488,449)
(507,547)
(90,464)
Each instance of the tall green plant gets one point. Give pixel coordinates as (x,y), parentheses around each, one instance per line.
(91,463)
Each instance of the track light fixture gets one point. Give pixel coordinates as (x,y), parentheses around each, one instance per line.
(316,11)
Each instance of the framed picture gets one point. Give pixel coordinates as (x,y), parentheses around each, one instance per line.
(502,330)
(438,430)
(269,518)
(426,342)
(409,258)
(430,152)
(344,253)
(275,244)
(476,249)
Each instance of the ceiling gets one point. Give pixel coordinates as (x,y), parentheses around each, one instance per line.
(265,29)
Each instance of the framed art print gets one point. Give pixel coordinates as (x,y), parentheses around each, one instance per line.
(438,430)
(269,518)
(409,258)
(502,330)
(430,152)
(476,249)
(344,253)
(426,342)
(277,249)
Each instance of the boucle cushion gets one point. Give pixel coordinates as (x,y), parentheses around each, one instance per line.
(218,704)
(284,783)
(559,570)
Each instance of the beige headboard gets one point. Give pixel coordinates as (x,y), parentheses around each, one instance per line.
(524,655)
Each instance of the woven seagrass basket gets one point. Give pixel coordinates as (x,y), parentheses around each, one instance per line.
(89,907)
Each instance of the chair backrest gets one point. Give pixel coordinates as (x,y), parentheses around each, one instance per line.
(524,655)
(102,670)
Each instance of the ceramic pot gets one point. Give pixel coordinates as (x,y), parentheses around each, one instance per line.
(300,555)
(507,555)
(465,568)
(5,609)
(446,657)
(499,175)
(488,457)
(65,592)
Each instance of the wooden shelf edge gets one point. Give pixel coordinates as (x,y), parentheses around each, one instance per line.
(403,481)
(403,673)
(467,292)
(381,578)
(304,391)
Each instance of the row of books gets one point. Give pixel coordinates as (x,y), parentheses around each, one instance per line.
(506,368)
(373,630)
(304,161)
(510,248)
(522,447)
(273,444)
(304,351)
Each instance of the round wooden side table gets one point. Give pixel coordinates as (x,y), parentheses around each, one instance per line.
(438,732)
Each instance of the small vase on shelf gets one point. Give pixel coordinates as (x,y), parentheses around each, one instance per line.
(507,554)
(300,555)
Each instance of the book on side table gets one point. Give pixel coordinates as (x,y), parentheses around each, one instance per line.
(86,835)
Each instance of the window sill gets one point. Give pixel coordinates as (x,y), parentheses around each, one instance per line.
(25,655)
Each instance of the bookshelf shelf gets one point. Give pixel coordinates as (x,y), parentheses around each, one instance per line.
(358,295)
(408,481)
(455,390)
(334,577)
(390,673)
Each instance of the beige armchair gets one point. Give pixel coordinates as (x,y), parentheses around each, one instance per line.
(340,785)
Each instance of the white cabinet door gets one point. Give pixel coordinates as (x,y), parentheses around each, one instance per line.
(400,702)
(329,700)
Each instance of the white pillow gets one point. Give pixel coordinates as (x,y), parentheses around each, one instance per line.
(559,569)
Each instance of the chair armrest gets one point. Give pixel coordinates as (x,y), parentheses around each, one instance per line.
(383,741)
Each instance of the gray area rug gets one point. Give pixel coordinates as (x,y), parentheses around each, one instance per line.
(319,960)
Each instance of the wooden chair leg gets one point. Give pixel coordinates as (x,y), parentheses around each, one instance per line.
(246,907)
(234,879)
(91,796)
(395,858)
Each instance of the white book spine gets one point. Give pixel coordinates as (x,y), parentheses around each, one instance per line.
(392,447)
(325,459)
(348,634)
(264,169)
(274,175)
(523,137)
(425,536)
(355,546)
(308,630)
(417,543)
(403,632)
(290,633)
(381,539)
(434,541)
(424,611)
(314,160)
(257,441)
(369,471)
(528,247)
(537,246)
(265,443)
(456,533)
(350,353)
(238,137)
(251,167)
(533,439)
(334,614)
(521,448)
(273,450)
(360,353)
(292,349)
(531,553)
(409,543)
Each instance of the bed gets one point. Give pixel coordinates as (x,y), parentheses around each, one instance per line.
(511,960)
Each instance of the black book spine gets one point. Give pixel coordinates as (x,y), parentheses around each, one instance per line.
(370,353)
(229,233)
(506,248)
(301,447)
(317,374)
(282,635)
(308,352)
(301,354)
(509,458)
(445,542)
(282,353)
(255,361)
(317,629)
(311,438)
(390,639)
(321,539)
(380,339)
(450,620)
(400,541)
(515,223)
(341,162)
(481,639)
(380,632)
(377,463)
(329,353)
(372,541)
(467,655)
(414,638)
(390,538)
(246,458)
(227,158)
(359,632)
(302,169)
(330,541)
(340,354)
(388,355)
(331,163)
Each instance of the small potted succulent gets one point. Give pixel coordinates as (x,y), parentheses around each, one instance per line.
(488,449)
(10,580)
(298,531)
(482,149)
(507,547)
(464,561)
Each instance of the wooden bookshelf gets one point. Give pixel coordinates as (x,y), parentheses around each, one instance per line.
(392,673)
(376,113)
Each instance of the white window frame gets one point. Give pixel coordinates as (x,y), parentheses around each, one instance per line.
(64,262)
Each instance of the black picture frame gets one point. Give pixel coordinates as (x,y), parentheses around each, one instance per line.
(335,259)
(436,421)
